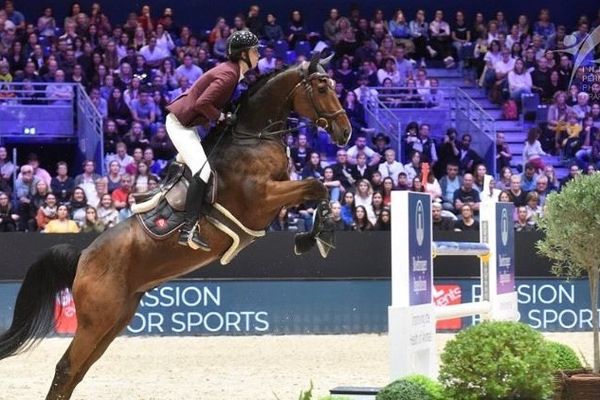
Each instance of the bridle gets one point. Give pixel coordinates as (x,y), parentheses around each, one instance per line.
(323,119)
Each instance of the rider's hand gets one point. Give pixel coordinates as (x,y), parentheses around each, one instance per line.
(222,117)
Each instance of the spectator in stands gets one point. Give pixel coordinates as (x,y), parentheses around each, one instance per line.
(361,222)
(344,74)
(300,152)
(334,187)
(570,143)
(503,154)
(419,31)
(542,189)
(136,137)
(161,145)
(296,31)
(439,222)
(342,170)
(479,177)
(389,71)
(449,151)
(143,110)
(188,69)
(588,137)
(400,31)
(272,31)
(87,181)
(413,168)
(8,217)
(62,185)
(390,167)
(461,38)
(336,215)
(557,117)
(78,204)
(348,208)
(59,93)
(140,182)
(582,108)
(519,81)
(532,151)
(534,210)
(267,63)
(504,181)
(38,172)
(25,187)
(381,143)
(449,184)
(517,195)
(313,169)
(360,146)
(118,110)
(46,24)
(99,103)
(466,194)
(467,222)
(529,177)
(355,112)
(426,146)
(574,172)
(523,222)
(62,223)
(120,157)
(441,40)
(120,195)
(540,78)
(126,212)
(467,157)
(39,195)
(330,27)
(361,170)
(92,223)
(107,213)
(138,155)
(47,211)
(7,168)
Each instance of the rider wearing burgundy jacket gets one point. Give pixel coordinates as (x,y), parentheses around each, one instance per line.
(201,104)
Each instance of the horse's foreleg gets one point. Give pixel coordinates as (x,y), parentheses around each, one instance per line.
(289,193)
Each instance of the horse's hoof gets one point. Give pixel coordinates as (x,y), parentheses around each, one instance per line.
(303,243)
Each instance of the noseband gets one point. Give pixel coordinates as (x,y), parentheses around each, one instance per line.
(323,118)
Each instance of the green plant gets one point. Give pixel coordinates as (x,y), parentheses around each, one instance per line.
(403,389)
(571,222)
(497,360)
(564,358)
(434,389)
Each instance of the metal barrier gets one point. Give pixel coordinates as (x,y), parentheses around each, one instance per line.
(89,129)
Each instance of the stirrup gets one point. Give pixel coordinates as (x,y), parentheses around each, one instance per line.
(192,238)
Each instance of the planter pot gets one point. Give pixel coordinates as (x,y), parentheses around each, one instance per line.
(581,386)
(560,382)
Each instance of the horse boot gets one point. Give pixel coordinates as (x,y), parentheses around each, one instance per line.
(324,228)
(190,231)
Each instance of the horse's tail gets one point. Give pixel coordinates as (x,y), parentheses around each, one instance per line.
(33,317)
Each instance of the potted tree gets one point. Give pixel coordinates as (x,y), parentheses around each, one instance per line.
(571,223)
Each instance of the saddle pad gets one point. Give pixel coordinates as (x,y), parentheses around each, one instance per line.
(162,221)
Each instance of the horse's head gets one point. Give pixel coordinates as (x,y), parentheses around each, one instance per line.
(314,98)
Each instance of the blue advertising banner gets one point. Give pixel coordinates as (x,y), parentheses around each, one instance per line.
(319,307)
(419,243)
(505,258)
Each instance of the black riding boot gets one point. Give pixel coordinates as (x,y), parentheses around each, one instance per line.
(190,231)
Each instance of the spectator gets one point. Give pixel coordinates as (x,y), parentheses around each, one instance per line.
(381,144)
(449,151)
(384,220)
(334,187)
(267,63)
(59,93)
(461,38)
(348,208)
(92,223)
(529,177)
(118,110)
(413,168)
(336,215)
(46,24)
(78,204)
(355,112)
(144,110)
(386,191)
(7,168)
(47,211)
(390,167)
(62,223)
(62,185)
(107,213)
(87,181)
(519,81)
(25,189)
(489,194)
(126,211)
(467,222)
(343,171)
(426,146)
(532,151)
(582,108)
(503,154)
(360,146)
(361,222)
(542,189)
(272,30)
(364,197)
(571,142)
(114,176)
(574,172)
(402,183)
(296,30)
(300,152)
(419,31)
(523,221)
(389,72)
(281,222)
(188,69)
(439,222)
(534,210)
(344,74)
(313,168)
(38,172)
(330,27)
(467,157)
(8,218)
(120,195)
(140,184)
(400,31)
(441,40)
(39,196)
(466,194)
(557,116)
(99,103)
(517,195)
(136,138)
(540,78)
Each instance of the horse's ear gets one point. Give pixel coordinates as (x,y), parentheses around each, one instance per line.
(314,61)
(325,62)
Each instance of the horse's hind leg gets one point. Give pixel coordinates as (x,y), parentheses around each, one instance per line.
(101,314)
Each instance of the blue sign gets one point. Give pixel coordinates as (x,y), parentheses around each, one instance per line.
(419,244)
(505,257)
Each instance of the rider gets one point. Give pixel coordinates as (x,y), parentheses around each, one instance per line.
(201,104)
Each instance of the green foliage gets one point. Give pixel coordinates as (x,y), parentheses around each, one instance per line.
(403,389)
(497,360)
(571,223)
(334,398)
(564,358)
(433,388)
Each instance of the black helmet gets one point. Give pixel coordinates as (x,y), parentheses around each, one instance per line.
(240,41)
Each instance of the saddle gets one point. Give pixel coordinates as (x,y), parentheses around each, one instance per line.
(161,211)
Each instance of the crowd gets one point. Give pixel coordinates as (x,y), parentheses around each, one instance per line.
(132,69)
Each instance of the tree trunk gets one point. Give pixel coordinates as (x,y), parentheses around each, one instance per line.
(594,277)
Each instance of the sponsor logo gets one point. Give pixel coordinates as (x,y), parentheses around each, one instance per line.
(420,223)
(504,227)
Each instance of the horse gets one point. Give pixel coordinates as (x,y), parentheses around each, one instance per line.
(110,276)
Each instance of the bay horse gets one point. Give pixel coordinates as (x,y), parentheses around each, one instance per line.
(108,278)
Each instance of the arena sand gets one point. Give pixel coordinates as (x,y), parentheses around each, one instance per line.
(219,368)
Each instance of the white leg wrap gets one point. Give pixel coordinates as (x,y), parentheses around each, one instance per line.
(187,143)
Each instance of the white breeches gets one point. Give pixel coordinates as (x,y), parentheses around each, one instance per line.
(187,143)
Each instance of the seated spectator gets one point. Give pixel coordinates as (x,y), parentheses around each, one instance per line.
(8,217)
(334,187)
(336,215)
(588,137)
(381,143)
(449,152)
(355,112)
(38,172)
(118,110)
(136,138)
(519,81)
(59,93)
(344,74)
(267,63)
(24,190)
(534,210)
(390,167)
(87,181)
(432,186)
(111,137)
(364,197)
(361,222)
(386,191)
(467,222)
(574,172)
(426,146)
(126,211)
(402,183)
(348,208)
(153,54)
(466,194)
(62,223)
(121,157)
(343,171)
(419,31)
(92,223)
(440,223)
(468,158)
(417,184)
(582,108)
(161,145)
(532,151)
(47,211)
(558,113)
(78,204)
(300,152)
(540,78)
(504,179)
(377,181)
(542,189)
(490,193)
(62,185)
(441,40)
(503,154)
(188,69)
(529,178)
(571,142)
(140,183)
(144,110)
(313,168)
(377,205)
(517,195)
(462,39)
(39,195)
(523,220)
(107,213)
(272,30)
(120,195)
(389,71)
(384,220)
(360,146)
(7,169)
(413,168)
(138,156)
(155,166)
